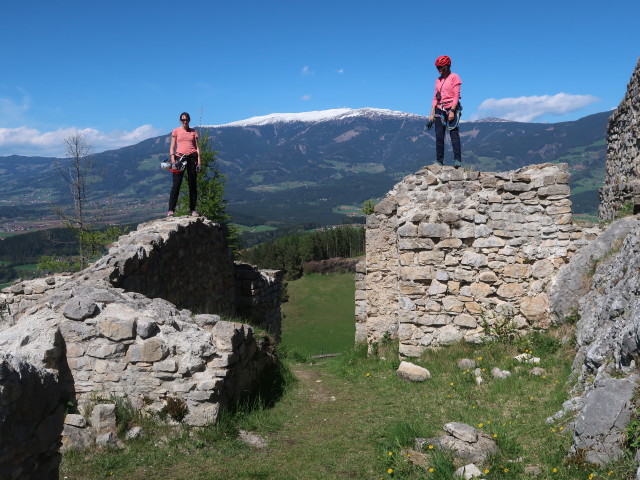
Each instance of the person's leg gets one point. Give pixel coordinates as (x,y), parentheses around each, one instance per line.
(439,127)
(193,184)
(455,144)
(175,190)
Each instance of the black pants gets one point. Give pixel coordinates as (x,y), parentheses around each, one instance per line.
(453,134)
(192,162)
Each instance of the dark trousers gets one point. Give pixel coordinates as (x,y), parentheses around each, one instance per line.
(192,162)
(453,134)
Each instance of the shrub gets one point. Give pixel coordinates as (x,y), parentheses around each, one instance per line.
(175,407)
(332,265)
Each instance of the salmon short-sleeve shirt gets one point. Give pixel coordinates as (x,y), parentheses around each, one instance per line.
(187,140)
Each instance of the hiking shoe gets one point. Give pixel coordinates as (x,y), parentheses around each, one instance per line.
(457,164)
(194,214)
(170,213)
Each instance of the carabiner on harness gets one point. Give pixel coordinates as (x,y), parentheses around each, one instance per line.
(453,124)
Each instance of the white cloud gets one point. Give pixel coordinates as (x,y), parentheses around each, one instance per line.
(33,142)
(305,97)
(12,112)
(340,71)
(527,109)
(306,70)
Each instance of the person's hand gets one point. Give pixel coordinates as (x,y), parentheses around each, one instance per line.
(431,117)
(451,115)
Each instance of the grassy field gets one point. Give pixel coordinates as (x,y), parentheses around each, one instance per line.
(350,417)
(320,317)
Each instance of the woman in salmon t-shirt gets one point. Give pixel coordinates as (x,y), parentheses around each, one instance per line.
(184,145)
(446,101)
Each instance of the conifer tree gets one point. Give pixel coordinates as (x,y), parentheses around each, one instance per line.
(211,183)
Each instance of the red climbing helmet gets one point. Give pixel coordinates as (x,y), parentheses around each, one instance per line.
(443,61)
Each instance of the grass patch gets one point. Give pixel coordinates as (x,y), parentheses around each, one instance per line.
(254,229)
(319,318)
(351,417)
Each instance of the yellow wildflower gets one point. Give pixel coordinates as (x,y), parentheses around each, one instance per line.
(555,470)
(430,447)
(431,470)
(390,471)
(480,425)
(486,471)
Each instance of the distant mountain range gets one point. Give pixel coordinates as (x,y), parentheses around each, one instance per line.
(314,166)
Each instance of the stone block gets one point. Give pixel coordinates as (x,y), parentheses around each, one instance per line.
(413,373)
(103,418)
(510,290)
(535,309)
(516,271)
(409,350)
(473,259)
(449,334)
(480,290)
(466,321)
(117,329)
(451,304)
(79,308)
(408,230)
(434,230)
(150,350)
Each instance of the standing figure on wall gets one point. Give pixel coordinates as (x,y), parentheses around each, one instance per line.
(446,110)
(184,153)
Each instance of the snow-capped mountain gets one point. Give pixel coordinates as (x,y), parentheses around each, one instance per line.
(319,116)
(305,167)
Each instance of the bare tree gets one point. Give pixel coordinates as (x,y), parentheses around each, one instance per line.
(79,173)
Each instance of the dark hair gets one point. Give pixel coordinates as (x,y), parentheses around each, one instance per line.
(185,114)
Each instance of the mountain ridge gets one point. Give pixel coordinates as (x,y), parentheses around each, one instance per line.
(282,168)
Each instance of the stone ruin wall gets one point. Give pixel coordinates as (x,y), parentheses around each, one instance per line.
(96,340)
(447,249)
(622,180)
(31,417)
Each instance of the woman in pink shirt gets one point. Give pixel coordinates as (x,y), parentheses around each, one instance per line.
(184,146)
(446,101)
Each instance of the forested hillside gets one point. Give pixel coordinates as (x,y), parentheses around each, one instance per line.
(291,252)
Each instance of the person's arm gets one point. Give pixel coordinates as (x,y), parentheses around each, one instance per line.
(434,102)
(456,96)
(171,149)
(198,150)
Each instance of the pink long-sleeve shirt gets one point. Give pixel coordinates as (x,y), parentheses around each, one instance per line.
(449,89)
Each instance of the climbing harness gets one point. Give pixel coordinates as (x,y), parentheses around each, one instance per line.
(445,118)
(177,167)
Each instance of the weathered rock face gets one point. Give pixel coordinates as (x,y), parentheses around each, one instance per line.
(99,339)
(573,280)
(31,417)
(447,249)
(607,339)
(622,182)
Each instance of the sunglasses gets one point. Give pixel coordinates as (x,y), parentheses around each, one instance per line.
(184,119)
(440,68)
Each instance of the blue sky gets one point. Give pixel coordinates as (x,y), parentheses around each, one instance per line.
(121,71)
